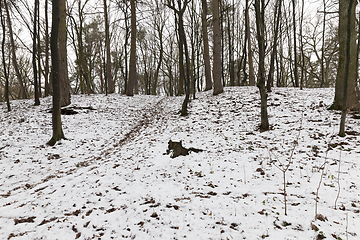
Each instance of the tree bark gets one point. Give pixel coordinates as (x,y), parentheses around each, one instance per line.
(182,49)
(222,34)
(277,17)
(182,36)
(56,76)
(65,85)
(302,48)
(47,67)
(39,50)
(295,48)
(132,71)
(250,54)
(34,53)
(358,54)
(344,17)
(243,60)
(181,81)
(323,47)
(206,55)
(348,38)
(260,27)
(6,75)
(231,54)
(110,81)
(217,66)
(126,43)
(101,68)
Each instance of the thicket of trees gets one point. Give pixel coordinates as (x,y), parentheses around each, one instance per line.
(176,47)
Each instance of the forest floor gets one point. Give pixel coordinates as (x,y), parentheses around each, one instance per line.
(111,178)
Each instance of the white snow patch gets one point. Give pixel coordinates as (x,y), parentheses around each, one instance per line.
(110,178)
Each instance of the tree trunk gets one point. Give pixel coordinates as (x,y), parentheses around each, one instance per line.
(222,34)
(126,43)
(55,76)
(302,48)
(171,78)
(260,25)
(83,70)
(231,55)
(47,67)
(102,67)
(208,81)
(182,36)
(110,81)
(197,69)
(36,88)
(39,49)
(159,28)
(344,17)
(280,65)
(218,87)
(182,49)
(358,54)
(132,72)
(14,61)
(65,85)
(194,32)
(323,47)
(181,81)
(250,55)
(243,60)
(347,35)
(6,75)
(295,49)
(277,17)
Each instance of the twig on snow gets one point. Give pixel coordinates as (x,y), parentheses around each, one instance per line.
(338,180)
(284,168)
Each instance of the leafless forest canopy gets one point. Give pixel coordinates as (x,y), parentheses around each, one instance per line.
(301,45)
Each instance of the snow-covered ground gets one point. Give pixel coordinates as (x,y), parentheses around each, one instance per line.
(111,178)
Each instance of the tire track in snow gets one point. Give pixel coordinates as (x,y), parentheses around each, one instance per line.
(150,114)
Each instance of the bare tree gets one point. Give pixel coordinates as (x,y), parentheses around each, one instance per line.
(6,75)
(179,12)
(302,47)
(34,53)
(206,55)
(217,66)
(13,52)
(64,78)
(277,18)
(56,76)
(181,81)
(296,76)
(159,27)
(47,67)
(248,34)
(260,33)
(39,50)
(347,54)
(323,46)
(132,72)
(110,81)
(82,63)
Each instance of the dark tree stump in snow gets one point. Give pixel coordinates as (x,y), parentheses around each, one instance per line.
(176,149)
(71,110)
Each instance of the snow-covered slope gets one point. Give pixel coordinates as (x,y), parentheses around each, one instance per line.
(111,178)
